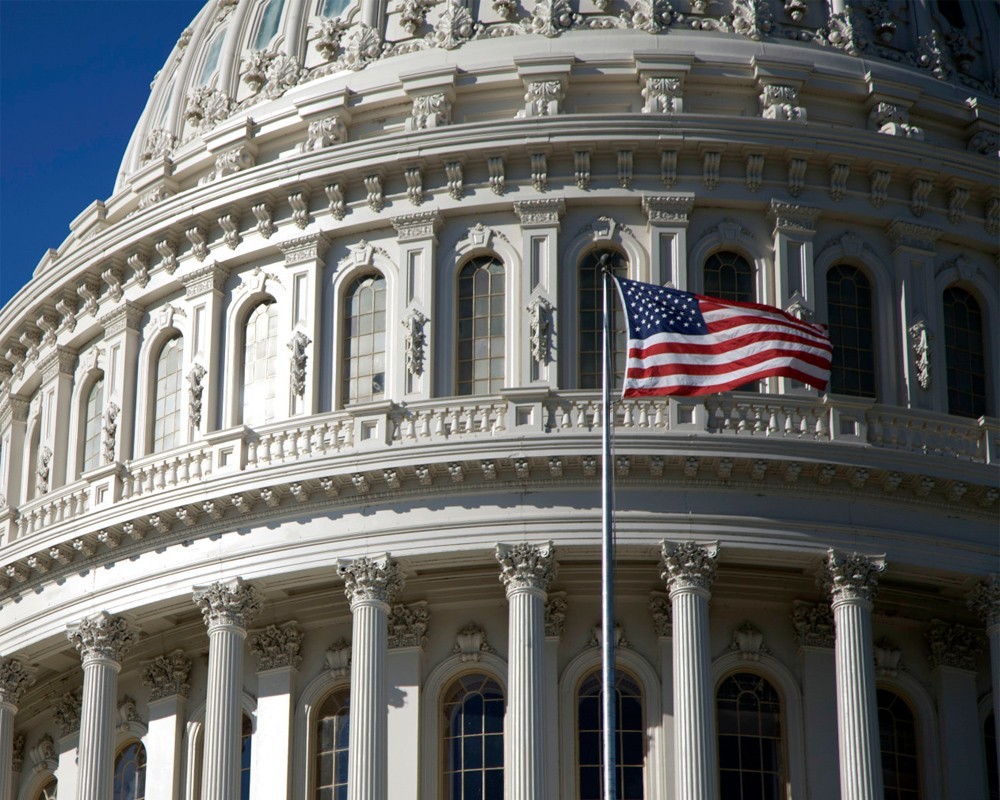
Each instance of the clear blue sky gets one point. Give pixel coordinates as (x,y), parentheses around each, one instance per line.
(74,78)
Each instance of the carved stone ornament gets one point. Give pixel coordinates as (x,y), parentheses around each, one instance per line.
(364,45)
(662,96)
(331,31)
(413,14)
(337,658)
(781,103)
(888,658)
(277,646)
(551,17)
(109,430)
(167,676)
(526,566)
(415,342)
(813,623)
(953,645)
(470,643)
(984,600)
(597,637)
(206,107)
(325,132)
(688,565)
(748,642)
(751,18)
(128,715)
(42,469)
(67,712)
(454,26)
(539,315)
(429,111)
(543,98)
(371,579)
(195,391)
(233,602)
(663,614)
(298,362)
(408,624)
(851,577)
(16,678)
(102,637)
(920,345)
(159,142)
(17,752)
(555,614)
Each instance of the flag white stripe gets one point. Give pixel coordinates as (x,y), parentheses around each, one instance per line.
(722,339)
(657,359)
(687,379)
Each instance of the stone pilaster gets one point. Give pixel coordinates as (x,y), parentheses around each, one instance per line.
(526,571)
(15,679)
(852,581)
(404,672)
(370,585)
(688,570)
(985,601)
(167,677)
(227,608)
(102,641)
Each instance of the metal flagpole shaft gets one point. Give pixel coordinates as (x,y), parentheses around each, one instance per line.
(607,556)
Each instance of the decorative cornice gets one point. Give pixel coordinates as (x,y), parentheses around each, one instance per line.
(850,577)
(555,614)
(525,566)
(231,602)
(168,676)
(540,213)
(277,646)
(414,227)
(303,249)
(688,565)
(408,624)
(813,623)
(16,678)
(61,361)
(102,638)
(908,234)
(211,277)
(984,600)
(792,217)
(667,209)
(125,317)
(371,579)
(953,645)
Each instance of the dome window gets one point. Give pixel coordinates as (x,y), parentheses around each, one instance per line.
(334,8)
(268,24)
(211,58)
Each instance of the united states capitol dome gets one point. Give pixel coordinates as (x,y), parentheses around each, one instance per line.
(300,446)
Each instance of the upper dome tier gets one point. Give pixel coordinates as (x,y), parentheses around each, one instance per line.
(240,54)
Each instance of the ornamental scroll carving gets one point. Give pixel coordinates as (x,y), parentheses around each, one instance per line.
(16,678)
(42,468)
(337,658)
(195,391)
(67,712)
(298,362)
(415,342)
(103,637)
(109,430)
(555,614)
(471,643)
(953,645)
(748,642)
(232,602)
(168,676)
(408,624)
(920,344)
(371,579)
(526,566)
(539,328)
(813,623)
(277,646)
(851,577)
(688,565)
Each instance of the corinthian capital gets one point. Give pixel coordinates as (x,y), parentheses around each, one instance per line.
(15,679)
(228,603)
(378,579)
(167,676)
(851,576)
(526,566)
(688,565)
(277,646)
(102,637)
(985,600)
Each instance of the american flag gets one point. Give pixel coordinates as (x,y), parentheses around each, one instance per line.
(687,344)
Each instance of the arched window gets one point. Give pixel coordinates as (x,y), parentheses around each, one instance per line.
(35,487)
(260,364)
(93,419)
(211,57)
(167,393)
(473,711)
(48,791)
(592,318)
(246,739)
(130,773)
(334,8)
(898,738)
(729,276)
(992,770)
(964,353)
(748,711)
(332,731)
(268,24)
(480,360)
(849,309)
(630,737)
(363,359)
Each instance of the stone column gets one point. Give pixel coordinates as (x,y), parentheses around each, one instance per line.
(167,679)
(985,601)
(228,608)
(370,585)
(852,581)
(102,641)
(525,571)
(688,570)
(277,651)
(15,679)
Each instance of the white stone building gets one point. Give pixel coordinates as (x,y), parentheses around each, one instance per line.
(335,329)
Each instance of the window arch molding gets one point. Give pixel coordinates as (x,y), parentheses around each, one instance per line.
(654,771)
(962,273)
(925,717)
(164,325)
(779,676)
(310,701)
(730,236)
(437,681)
(851,251)
(34,781)
(92,368)
(34,441)
(194,738)
(361,261)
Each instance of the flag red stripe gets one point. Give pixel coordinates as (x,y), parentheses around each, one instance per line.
(689,368)
(691,390)
(687,345)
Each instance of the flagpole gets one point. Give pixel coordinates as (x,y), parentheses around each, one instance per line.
(607,555)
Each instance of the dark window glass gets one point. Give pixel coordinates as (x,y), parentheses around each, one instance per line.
(898,738)
(592,319)
(951,10)
(332,731)
(130,773)
(751,761)
(473,713)
(729,276)
(364,340)
(965,356)
(849,311)
(48,791)
(480,358)
(992,769)
(630,737)
(246,739)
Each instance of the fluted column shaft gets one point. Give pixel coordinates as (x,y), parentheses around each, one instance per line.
(102,641)
(852,583)
(227,609)
(7,712)
(370,585)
